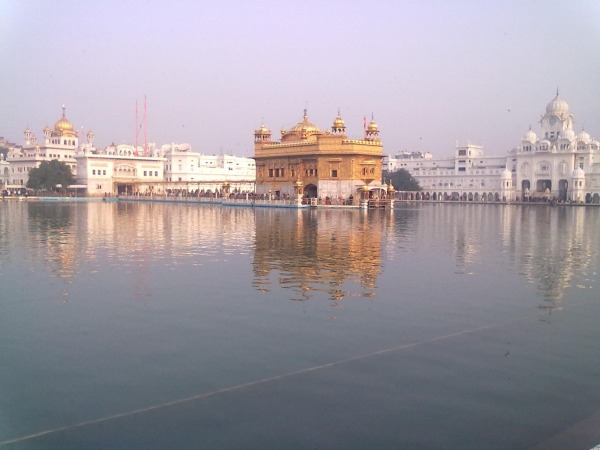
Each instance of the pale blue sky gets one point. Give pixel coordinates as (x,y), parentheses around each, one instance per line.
(431,72)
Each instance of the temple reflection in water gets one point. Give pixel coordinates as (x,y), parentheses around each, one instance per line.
(333,252)
(326,253)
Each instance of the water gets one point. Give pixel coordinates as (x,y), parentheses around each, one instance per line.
(140,325)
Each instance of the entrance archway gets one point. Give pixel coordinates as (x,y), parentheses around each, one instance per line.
(310,191)
(544,186)
(124,189)
(525,188)
(563,186)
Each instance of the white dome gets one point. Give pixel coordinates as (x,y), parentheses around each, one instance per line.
(578,173)
(506,175)
(530,136)
(583,136)
(557,106)
(568,134)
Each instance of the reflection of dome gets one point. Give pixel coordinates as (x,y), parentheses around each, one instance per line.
(583,136)
(530,136)
(568,134)
(557,106)
(578,173)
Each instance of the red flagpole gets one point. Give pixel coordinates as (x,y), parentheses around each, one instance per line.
(136,129)
(145,128)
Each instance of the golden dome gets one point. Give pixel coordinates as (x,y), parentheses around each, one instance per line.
(372,126)
(63,127)
(305,128)
(338,122)
(262,130)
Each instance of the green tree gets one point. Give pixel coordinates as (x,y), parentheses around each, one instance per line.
(402,180)
(50,174)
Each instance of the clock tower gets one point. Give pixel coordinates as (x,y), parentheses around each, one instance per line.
(557,119)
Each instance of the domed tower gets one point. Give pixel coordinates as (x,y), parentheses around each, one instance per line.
(339,127)
(28,135)
(304,130)
(584,137)
(557,118)
(90,137)
(47,132)
(577,185)
(262,134)
(64,128)
(506,189)
(528,141)
(372,131)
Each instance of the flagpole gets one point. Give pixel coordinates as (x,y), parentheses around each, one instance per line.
(136,129)
(145,128)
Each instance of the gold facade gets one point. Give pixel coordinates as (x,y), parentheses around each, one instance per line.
(328,164)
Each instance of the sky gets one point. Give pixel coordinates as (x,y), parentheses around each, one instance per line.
(431,73)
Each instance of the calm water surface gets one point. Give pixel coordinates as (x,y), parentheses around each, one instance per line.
(141,325)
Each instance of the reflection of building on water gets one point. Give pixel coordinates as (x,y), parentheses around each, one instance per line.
(553,249)
(326,251)
(336,253)
(70,237)
(59,249)
(549,246)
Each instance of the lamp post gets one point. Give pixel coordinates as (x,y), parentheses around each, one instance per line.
(391,193)
(298,190)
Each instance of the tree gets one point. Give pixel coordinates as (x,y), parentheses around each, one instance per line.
(402,180)
(50,174)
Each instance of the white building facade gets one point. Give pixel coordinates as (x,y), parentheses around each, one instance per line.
(558,165)
(60,143)
(200,173)
(120,169)
(468,176)
(123,168)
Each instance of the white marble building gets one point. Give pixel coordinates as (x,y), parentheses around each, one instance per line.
(172,168)
(559,165)
(119,169)
(123,168)
(185,169)
(60,143)
(468,175)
